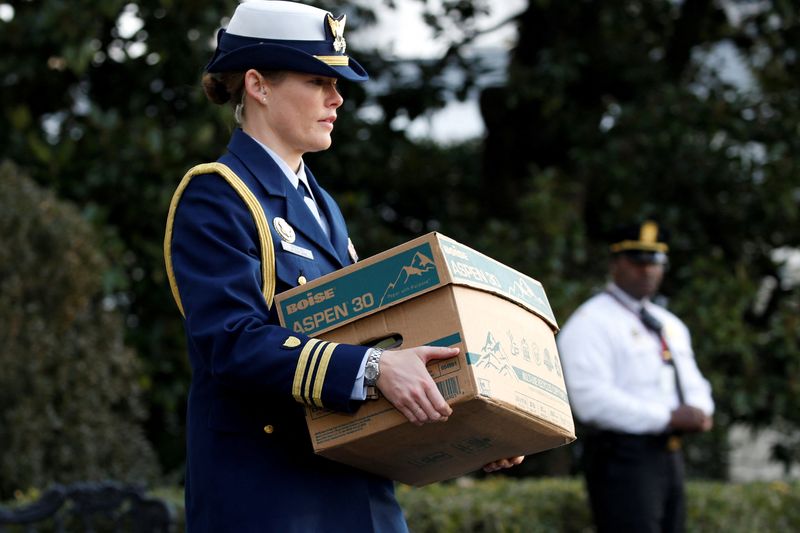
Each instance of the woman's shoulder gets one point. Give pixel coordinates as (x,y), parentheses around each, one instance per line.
(204,190)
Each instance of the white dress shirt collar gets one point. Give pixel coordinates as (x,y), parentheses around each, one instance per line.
(629,301)
(293,177)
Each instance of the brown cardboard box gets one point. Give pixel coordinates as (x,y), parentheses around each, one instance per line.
(506,386)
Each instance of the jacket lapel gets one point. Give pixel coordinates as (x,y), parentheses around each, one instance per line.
(330,211)
(270,176)
(299,214)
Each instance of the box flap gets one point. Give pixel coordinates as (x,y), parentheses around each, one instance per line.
(472,268)
(406,271)
(363,288)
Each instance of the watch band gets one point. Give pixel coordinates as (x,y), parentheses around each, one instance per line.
(373,368)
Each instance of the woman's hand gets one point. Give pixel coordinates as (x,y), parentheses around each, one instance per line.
(406,383)
(503,463)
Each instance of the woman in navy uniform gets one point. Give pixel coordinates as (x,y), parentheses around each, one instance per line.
(240,229)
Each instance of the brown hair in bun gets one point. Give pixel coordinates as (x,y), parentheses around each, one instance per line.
(223,87)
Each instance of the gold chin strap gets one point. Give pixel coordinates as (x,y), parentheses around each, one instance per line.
(259,217)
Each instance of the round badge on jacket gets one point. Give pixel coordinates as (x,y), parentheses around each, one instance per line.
(284,229)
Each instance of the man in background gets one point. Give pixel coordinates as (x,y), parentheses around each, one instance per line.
(633,382)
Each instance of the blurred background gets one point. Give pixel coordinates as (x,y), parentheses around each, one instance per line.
(524,129)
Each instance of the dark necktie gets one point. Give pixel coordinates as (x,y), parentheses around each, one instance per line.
(649,321)
(312,205)
(654,324)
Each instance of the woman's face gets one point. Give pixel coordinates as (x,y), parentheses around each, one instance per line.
(299,113)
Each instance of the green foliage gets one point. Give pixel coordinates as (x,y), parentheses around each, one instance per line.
(610,110)
(496,505)
(773,506)
(626,116)
(559,505)
(69,386)
(113,130)
(111,119)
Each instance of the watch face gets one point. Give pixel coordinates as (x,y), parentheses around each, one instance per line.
(370,373)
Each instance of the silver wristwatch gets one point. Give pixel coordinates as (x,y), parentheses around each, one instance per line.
(372,371)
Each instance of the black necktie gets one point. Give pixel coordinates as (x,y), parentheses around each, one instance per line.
(654,324)
(649,321)
(302,188)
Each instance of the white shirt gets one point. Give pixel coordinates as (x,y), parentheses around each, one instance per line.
(295,178)
(616,378)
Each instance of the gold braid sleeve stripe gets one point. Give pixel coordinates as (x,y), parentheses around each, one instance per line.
(319,381)
(310,373)
(256,210)
(300,370)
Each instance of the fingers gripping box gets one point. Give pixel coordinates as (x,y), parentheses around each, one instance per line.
(506,386)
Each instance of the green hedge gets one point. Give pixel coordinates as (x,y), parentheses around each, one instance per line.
(506,505)
(71,399)
(496,504)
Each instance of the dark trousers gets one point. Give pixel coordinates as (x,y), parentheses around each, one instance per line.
(635,482)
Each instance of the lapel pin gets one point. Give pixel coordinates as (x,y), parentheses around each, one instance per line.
(284,229)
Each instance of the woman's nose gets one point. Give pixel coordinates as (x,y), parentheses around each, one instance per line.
(335,99)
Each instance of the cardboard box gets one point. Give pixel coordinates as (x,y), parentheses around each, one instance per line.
(506,386)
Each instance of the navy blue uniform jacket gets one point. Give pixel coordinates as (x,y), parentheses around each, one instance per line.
(250,465)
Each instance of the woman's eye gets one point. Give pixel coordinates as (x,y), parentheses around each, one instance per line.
(322,82)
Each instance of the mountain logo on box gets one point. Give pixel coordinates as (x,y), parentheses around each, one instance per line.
(492,356)
(552,364)
(520,289)
(410,277)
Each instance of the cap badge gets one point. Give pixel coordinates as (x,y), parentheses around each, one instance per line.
(337,28)
(648,232)
(284,229)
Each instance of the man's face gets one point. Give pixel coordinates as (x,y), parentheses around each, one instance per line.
(637,278)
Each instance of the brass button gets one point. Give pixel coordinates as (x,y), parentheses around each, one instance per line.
(302,280)
(268,429)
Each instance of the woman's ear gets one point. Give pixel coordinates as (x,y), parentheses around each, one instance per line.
(255,85)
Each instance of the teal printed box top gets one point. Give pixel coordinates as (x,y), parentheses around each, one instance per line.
(473,268)
(362,292)
(399,276)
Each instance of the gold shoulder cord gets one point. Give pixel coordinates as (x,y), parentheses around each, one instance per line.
(260,218)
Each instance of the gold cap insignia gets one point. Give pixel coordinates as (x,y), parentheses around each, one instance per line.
(284,229)
(337,28)
(648,232)
(647,240)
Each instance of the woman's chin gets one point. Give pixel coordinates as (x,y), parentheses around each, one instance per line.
(320,144)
